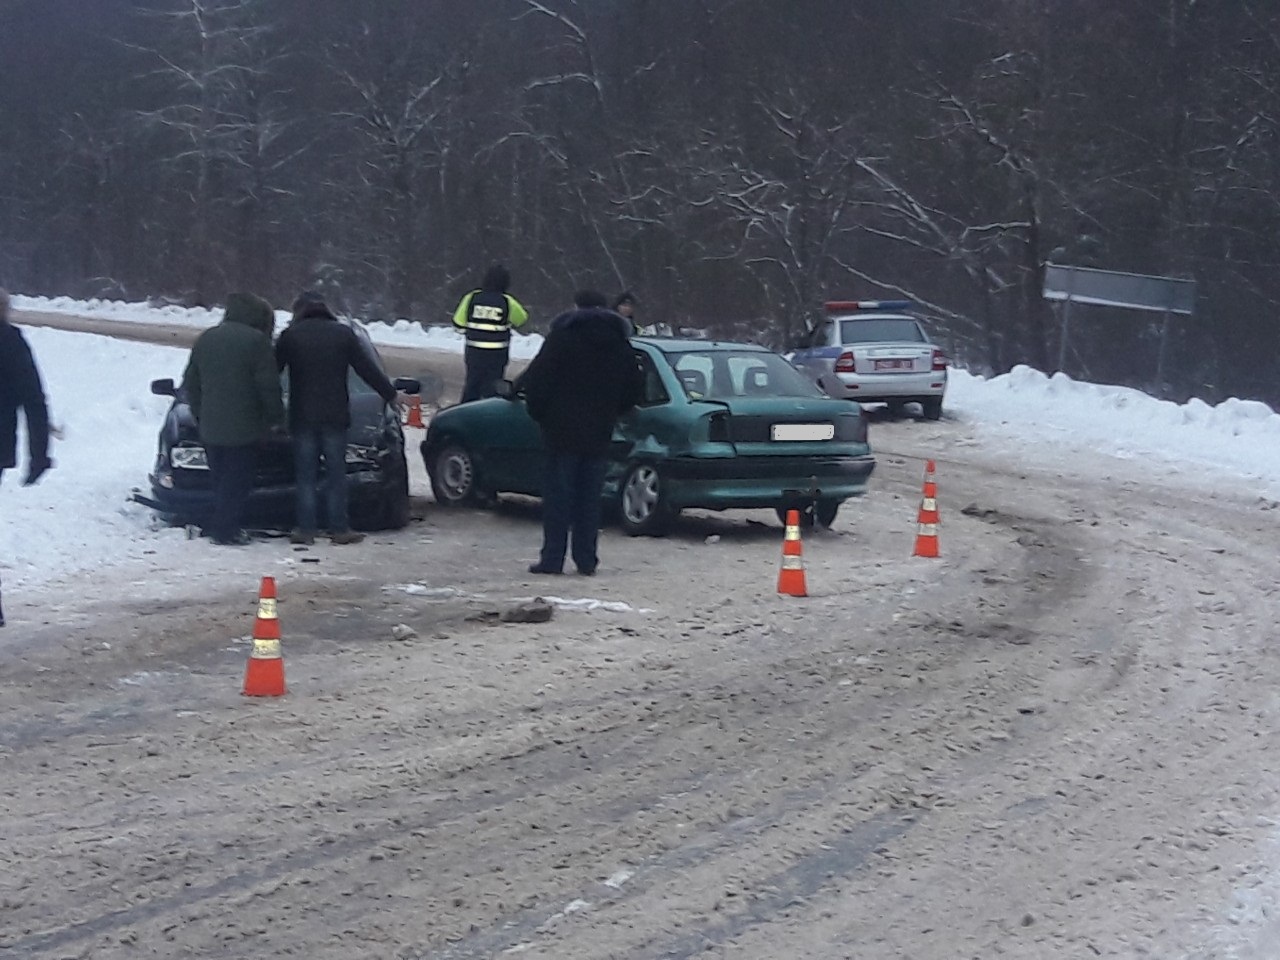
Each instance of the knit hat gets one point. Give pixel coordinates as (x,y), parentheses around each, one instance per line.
(589,298)
(496,279)
(311,304)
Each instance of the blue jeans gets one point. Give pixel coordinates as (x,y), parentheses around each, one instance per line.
(571,488)
(309,444)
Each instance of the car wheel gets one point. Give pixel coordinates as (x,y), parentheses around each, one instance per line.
(642,507)
(454,480)
(823,513)
(932,408)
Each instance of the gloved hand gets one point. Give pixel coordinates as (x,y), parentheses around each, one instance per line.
(35,470)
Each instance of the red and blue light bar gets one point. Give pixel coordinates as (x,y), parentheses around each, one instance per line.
(850,306)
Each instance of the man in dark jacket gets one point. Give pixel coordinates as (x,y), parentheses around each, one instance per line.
(234,393)
(624,305)
(487,317)
(20,388)
(318,350)
(584,378)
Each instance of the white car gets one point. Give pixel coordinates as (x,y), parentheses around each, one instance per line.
(872,351)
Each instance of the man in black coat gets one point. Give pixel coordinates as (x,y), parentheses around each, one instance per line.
(583,379)
(20,388)
(318,350)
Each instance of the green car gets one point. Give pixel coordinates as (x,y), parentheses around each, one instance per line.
(721,426)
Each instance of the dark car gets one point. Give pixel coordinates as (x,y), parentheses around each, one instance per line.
(721,426)
(378,475)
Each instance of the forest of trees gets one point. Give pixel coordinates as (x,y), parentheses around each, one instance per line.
(733,162)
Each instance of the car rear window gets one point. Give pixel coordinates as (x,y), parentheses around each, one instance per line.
(726,374)
(881,330)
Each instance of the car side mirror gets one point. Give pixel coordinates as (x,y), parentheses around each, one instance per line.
(164,388)
(504,389)
(407,385)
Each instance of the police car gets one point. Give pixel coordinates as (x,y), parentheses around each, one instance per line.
(874,351)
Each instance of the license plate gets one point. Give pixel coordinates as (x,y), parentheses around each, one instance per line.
(804,431)
(893,364)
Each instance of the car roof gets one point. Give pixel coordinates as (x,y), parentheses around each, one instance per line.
(680,345)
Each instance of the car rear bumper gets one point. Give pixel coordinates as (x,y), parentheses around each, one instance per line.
(882,387)
(747,482)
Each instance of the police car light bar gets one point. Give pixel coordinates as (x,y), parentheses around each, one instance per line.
(848,306)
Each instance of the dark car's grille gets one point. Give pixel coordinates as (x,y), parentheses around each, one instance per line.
(270,472)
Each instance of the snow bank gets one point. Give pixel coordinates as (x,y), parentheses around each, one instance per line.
(1239,436)
(78,516)
(403,333)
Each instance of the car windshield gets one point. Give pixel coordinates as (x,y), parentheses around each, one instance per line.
(881,330)
(727,374)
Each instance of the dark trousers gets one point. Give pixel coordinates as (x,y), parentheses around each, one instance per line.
(232,469)
(309,445)
(484,369)
(571,489)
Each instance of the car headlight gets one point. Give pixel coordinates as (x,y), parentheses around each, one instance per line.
(360,455)
(189,458)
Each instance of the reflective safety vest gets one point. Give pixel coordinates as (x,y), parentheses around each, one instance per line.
(487,318)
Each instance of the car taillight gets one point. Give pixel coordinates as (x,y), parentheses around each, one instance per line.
(854,428)
(940,361)
(845,362)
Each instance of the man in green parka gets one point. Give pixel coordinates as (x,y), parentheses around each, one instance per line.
(234,392)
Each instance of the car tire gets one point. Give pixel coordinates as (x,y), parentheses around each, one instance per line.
(642,502)
(454,478)
(932,408)
(823,513)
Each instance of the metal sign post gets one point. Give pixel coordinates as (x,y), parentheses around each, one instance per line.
(1066,319)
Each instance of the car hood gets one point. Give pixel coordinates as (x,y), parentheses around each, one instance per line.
(367,415)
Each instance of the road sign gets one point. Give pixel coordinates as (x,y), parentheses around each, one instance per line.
(1110,288)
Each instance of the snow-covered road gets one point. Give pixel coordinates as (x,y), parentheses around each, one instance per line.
(1057,740)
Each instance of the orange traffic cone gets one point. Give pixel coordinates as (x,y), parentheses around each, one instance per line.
(927,537)
(791,576)
(264,674)
(414,416)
